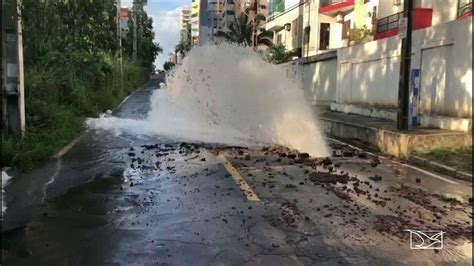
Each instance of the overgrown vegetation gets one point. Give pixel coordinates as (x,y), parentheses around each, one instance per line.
(72,72)
(241,30)
(460,159)
(168,65)
(278,54)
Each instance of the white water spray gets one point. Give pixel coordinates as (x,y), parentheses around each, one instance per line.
(228,94)
(5,180)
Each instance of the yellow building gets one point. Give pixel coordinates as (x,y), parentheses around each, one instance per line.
(195,22)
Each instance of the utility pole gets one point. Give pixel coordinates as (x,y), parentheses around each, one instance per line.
(405,65)
(13,104)
(135,18)
(119,39)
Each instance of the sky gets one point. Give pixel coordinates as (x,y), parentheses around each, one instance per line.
(165,14)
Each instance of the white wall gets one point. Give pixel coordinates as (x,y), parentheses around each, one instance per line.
(319,81)
(368,73)
(444,53)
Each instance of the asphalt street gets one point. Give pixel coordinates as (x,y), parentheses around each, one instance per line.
(123,200)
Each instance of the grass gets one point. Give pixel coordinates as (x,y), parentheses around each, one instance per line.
(53,120)
(460,159)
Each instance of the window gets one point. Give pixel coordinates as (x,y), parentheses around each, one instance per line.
(346,28)
(278,40)
(324,31)
(307,32)
(294,27)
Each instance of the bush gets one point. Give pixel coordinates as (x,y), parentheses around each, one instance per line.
(54,116)
(277,54)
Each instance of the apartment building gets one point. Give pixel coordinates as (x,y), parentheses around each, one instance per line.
(250,9)
(323,25)
(215,9)
(184,18)
(195,7)
(231,11)
(284,21)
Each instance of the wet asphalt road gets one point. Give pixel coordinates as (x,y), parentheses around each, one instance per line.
(129,200)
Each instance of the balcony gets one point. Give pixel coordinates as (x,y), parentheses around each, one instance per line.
(388,26)
(465,9)
(332,7)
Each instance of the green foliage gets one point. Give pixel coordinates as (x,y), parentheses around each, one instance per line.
(357,36)
(277,54)
(242,29)
(168,65)
(71,72)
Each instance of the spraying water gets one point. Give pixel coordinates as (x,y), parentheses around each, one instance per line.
(5,180)
(228,94)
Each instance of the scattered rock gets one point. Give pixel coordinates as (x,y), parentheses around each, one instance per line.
(375,178)
(203,159)
(418,180)
(327,161)
(348,153)
(328,178)
(303,155)
(375,161)
(291,156)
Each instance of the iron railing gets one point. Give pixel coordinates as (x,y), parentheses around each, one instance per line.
(388,23)
(464,9)
(291,8)
(330,2)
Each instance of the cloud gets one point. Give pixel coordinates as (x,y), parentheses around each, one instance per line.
(166,27)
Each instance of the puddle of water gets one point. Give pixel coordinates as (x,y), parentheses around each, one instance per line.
(228,94)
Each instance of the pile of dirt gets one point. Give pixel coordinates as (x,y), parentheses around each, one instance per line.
(321,178)
(419,197)
(393,225)
(290,213)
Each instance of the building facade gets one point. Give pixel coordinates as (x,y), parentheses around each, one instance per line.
(184,18)
(195,7)
(323,25)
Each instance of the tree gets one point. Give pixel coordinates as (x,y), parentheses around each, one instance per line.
(277,54)
(242,30)
(168,65)
(147,49)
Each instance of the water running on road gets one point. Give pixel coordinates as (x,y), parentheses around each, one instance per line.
(228,94)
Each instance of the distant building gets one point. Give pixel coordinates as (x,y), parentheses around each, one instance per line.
(173,58)
(215,9)
(252,8)
(124,17)
(195,22)
(185,18)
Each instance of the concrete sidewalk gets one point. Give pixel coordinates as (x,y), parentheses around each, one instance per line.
(383,135)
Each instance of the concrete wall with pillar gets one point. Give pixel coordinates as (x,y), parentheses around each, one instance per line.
(363,79)
(13,107)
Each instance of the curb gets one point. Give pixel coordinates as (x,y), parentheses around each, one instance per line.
(440,168)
